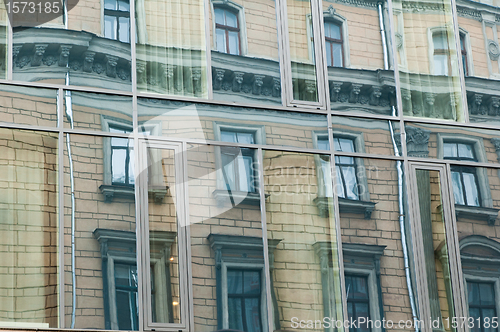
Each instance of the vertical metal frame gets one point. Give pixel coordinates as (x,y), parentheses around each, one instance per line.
(60,170)
(451,243)
(286,61)
(143,236)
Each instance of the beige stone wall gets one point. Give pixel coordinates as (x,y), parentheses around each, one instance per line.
(28,107)
(479,56)
(29,227)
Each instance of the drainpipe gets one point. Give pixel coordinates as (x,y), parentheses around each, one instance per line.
(382,34)
(69,116)
(399,168)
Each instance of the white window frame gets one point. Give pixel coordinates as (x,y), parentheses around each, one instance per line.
(480,152)
(220,193)
(321,79)
(430,42)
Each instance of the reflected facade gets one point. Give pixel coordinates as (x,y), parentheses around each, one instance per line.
(250,166)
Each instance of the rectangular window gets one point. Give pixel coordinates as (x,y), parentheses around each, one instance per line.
(244,293)
(117,20)
(333,43)
(238,163)
(122,155)
(464,178)
(347,183)
(481,297)
(227,30)
(358,301)
(127,311)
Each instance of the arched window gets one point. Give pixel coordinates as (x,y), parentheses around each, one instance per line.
(227,30)
(334,44)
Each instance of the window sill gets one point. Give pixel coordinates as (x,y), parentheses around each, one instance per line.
(477,213)
(345,206)
(112,191)
(238,197)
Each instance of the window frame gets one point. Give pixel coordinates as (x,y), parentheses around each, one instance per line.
(331,15)
(482,275)
(239,11)
(313,19)
(480,154)
(363,204)
(221,193)
(118,13)
(329,42)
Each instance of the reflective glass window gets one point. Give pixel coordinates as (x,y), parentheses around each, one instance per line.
(428,57)
(171,47)
(244,52)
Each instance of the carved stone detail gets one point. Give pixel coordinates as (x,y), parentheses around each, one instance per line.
(38,55)
(237,81)
(88,61)
(417,141)
(218,77)
(257,84)
(111,62)
(64,55)
(493,50)
(355,91)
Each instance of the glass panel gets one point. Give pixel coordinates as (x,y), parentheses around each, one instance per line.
(428,61)
(3,41)
(229,287)
(28,106)
(452,143)
(89,47)
(171,47)
(360,67)
(376,242)
(365,135)
(302,54)
(29,281)
(95,111)
(300,219)
(206,122)
(163,236)
(245,58)
(102,220)
(433,230)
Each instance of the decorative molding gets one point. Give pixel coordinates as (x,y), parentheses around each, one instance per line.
(417,141)
(493,49)
(477,213)
(345,206)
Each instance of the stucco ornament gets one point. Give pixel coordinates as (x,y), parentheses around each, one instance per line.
(493,50)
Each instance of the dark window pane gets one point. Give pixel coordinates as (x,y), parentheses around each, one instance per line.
(234,282)
(252,315)
(235,314)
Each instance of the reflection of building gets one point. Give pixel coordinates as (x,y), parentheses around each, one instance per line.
(257,166)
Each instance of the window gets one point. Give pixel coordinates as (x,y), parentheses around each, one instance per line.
(347,183)
(441,56)
(117,20)
(463,51)
(464,179)
(241,295)
(244,289)
(122,156)
(227,31)
(126,296)
(334,44)
(350,174)
(358,301)
(362,282)
(238,163)
(482,306)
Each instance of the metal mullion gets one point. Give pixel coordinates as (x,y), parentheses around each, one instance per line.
(364,115)
(416,232)
(189,278)
(208,49)
(461,74)
(60,170)
(336,222)
(10,44)
(451,236)
(265,245)
(28,127)
(319,52)
(139,213)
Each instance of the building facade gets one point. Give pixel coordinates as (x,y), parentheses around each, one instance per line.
(258,166)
